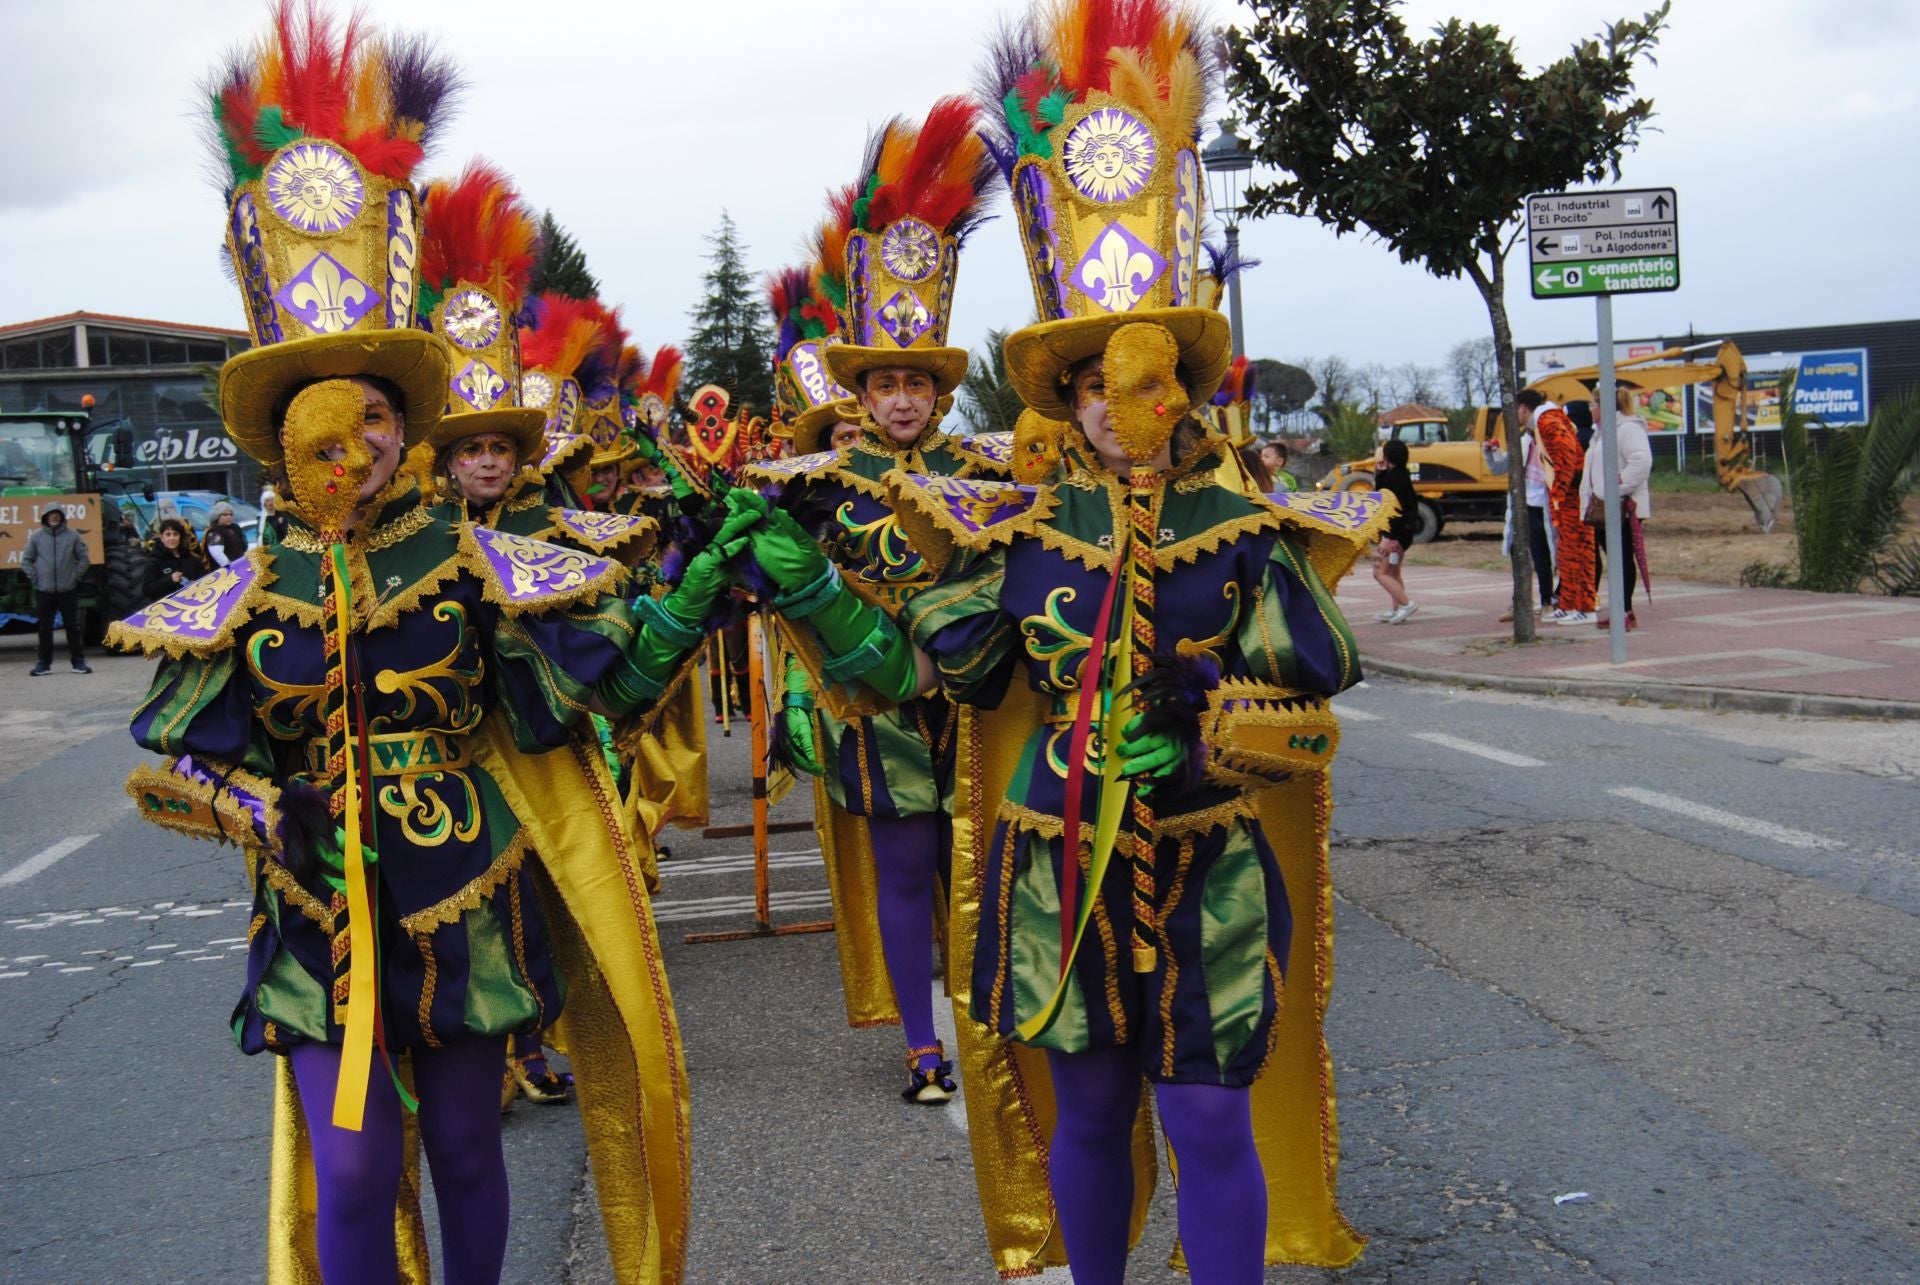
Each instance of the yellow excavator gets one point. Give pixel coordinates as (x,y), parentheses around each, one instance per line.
(1732,433)
(1457,481)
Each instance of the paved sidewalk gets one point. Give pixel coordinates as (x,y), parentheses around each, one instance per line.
(1763,650)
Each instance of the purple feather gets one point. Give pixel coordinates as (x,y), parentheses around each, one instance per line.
(1012,49)
(306,822)
(424,83)
(1223,266)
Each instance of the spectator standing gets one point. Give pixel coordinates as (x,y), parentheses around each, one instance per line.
(273,523)
(1254,461)
(1573,538)
(1389,557)
(226,542)
(172,561)
(55,561)
(1636,498)
(1539,532)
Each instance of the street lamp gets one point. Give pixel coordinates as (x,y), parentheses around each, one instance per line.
(1228,162)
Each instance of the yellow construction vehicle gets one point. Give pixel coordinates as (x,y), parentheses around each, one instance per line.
(1732,433)
(1466,481)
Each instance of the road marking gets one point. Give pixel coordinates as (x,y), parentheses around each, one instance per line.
(204,959)
(1355,715)
(166,945)
(1730,820)
(12,974)
(39,861)
(150,963)
(83,968)
(225,941)
(1474,747)
(26,959)
(722,907)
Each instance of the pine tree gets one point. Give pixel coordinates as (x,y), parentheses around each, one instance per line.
(732,340)
(563,264)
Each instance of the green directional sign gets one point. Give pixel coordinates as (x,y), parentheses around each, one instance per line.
(1603,243)
(1607,276)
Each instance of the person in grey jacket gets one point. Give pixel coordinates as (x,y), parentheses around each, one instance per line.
(55,561)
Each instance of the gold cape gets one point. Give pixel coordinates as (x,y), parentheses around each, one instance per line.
(618,1028)
(1009,1091)
(670,761)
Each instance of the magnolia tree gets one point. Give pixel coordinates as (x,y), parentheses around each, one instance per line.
(1432,145)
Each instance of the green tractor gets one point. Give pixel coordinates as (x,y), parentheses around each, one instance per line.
(43,462)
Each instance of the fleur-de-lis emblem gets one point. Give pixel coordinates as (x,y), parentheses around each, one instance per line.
(328,297)
(904,317)
(1119,271)
(480,385)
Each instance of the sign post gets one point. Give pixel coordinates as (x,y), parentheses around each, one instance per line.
(1603,244)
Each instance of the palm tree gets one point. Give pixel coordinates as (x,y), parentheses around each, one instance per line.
(1848,499)
(987,397)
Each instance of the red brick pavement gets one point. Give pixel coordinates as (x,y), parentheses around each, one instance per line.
(1694,641)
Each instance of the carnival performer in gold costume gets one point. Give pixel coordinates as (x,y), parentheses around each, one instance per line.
(887,262)
(373,709)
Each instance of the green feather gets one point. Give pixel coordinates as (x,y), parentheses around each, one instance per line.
(865,203)
(272,132)
(1053,108)
(430,296)
(242,169)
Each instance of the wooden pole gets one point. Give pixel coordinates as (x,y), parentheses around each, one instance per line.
(763,925)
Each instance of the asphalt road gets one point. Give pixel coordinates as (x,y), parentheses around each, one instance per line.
(1666,959)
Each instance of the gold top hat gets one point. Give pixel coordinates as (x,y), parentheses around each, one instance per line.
(807,400)
(322,222)
(1098,144)
(476,258)
(903,223)
(604,411)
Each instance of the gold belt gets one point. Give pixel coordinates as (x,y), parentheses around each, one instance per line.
(402,753)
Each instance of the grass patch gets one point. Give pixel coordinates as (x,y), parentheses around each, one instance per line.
(1682,484)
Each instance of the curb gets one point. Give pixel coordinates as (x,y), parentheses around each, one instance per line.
(1745,700)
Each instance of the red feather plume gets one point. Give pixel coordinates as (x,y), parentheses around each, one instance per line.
(942,173)
(478,229)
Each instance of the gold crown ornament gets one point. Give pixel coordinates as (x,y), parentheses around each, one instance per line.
(317,132)
(1097,139)
(901,225)
(807,400)
(477,254)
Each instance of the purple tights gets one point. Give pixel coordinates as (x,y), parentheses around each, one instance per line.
(906,851)
(1222,1192)
(358,1174)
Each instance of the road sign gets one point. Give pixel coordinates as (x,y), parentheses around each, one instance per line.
(1603,243)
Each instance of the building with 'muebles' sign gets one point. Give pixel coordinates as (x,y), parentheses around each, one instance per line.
(152,378)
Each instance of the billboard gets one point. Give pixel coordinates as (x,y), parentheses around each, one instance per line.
(1831,386)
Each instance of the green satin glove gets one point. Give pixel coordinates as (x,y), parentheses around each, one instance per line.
(797,715)
(791,558)
(649,450)
(1153,756)
(706,576)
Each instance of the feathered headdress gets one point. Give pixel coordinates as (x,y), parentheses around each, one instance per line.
(1095,110)
(477,251)
(1223,265)
(478,230)
(1154,56)
(895,235)
(380,99)
(937,173)
(805,323)
(564,336)
(315,131)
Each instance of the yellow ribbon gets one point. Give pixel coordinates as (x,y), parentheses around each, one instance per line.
(356,1058)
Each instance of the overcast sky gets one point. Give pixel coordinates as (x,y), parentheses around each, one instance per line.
(1789,128)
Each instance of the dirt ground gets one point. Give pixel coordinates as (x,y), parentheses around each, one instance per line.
(1708,538)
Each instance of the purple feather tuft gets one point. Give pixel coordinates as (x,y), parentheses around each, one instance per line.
(1223,266)
(1012,49)
(424,82)
(306,822)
